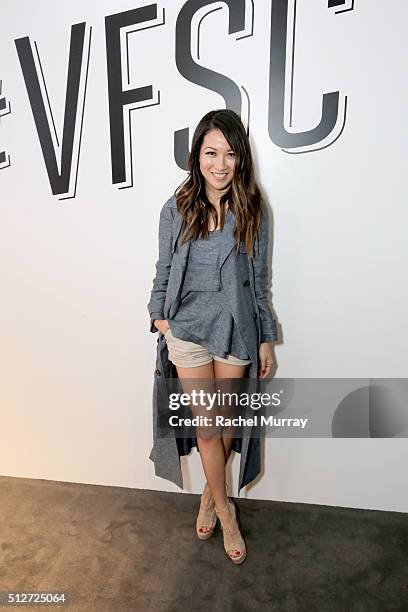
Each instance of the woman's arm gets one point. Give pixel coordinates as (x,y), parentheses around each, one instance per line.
(260,263)
(163,266)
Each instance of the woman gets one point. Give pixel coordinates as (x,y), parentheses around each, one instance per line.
(210,300)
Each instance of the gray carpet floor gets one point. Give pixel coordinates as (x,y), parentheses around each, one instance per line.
(116,549)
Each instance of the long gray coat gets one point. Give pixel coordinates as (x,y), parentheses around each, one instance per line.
(246,281)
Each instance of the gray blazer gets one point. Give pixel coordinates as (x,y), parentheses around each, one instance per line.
(246,281)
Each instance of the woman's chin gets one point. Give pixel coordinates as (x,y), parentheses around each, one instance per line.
(220,185)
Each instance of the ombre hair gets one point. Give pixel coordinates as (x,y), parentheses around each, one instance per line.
(244,196)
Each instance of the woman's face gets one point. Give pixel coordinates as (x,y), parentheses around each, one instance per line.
(217,163)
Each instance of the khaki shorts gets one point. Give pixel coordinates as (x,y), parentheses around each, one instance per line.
(187,354)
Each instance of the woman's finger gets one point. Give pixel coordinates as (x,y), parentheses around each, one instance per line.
(266,364)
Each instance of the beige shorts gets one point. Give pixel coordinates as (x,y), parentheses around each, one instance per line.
(187,354)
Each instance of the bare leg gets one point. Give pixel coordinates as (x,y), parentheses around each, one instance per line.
(211,448)
(224,370)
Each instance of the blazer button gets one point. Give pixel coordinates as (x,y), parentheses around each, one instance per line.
(254,315)
(158,372)
(246,283)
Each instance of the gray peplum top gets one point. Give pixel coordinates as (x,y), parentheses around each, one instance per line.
(204,305)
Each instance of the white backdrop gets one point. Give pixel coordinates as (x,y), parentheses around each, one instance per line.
(76,354)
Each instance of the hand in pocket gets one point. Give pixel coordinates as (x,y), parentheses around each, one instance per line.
(162,325)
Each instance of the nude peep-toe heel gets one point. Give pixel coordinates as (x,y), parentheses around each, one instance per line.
(233,540)
(207,517)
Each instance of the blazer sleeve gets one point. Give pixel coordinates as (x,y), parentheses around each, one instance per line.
(260,263)
(163,266)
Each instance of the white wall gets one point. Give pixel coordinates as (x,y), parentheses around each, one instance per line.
(77,357)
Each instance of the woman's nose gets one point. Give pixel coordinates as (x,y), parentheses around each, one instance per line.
(221,165)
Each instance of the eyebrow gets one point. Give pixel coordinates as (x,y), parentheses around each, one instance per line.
(214,149)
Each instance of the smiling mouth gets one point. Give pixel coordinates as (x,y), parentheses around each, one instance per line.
(220,175)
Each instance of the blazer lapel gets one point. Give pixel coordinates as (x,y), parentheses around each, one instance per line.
(177,223)
(227,238)
(184,248)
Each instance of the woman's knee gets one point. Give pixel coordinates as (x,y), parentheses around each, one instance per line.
(209,435)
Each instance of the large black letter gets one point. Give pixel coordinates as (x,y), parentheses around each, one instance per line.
(59,181)
(330,102)
(199,75)
(117,97)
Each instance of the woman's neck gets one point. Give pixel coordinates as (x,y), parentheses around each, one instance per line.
(215,197)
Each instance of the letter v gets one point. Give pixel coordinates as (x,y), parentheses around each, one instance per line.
(60,179)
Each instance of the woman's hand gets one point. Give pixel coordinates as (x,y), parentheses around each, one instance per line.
(265,356)
(161,325)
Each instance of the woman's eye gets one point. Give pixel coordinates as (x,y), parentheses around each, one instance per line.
(213,153)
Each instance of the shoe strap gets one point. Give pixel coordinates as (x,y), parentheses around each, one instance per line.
(229,527)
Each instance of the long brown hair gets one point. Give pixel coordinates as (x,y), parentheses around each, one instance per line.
(244,196)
